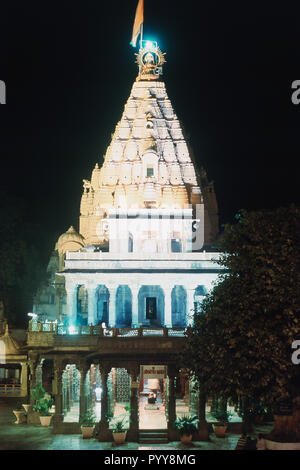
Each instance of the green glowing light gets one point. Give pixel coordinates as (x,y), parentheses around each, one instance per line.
(150,45)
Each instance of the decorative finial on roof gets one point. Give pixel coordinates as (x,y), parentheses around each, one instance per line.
(150,60)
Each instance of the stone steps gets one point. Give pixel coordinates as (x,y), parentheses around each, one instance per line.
(153,436)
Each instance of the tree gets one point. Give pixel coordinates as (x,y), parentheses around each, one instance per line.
(24,252)
(241,342)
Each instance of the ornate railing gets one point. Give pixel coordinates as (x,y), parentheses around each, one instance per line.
(59,329)
(10,389)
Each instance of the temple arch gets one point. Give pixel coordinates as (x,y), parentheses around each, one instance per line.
(123,307)
(200,293)
(82,305)
(102,304)
(179,300)
(151,302)
(130,243)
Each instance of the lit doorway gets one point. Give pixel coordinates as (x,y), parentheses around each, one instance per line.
(152,397)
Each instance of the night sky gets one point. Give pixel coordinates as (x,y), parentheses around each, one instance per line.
(69,68)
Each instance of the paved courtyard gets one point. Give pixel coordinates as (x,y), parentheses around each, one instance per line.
(28,437)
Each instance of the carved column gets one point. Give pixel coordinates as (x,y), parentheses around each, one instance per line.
(135,306)
(203,430)
(168,307)
(112,306)
(132,435)
(33,364)
(83,369)
(104,434)
(172,433)
(24,379)
(92,306)
(57,390)
(71,290)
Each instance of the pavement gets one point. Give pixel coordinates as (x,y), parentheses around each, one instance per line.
(30,437)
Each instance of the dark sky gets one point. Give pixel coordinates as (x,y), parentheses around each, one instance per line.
(69,68)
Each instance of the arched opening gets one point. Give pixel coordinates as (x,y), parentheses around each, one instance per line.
(151,306)
(176,242)
(93,390)
(179,300)
(200,293)
(82,305)
(102,299)
(71,393)
(123,307)
(130,243)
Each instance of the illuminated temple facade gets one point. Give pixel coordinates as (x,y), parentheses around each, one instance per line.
(147,222)
(124,287)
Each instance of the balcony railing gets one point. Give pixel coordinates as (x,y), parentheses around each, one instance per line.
(53,327)
(13,389)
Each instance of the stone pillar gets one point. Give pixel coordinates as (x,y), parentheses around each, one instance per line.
(92,314)
(33,364)
(190,305)
(24,379)
(203,429)
(135,306)
(57,390)
(39,373)
(172,432)
(132,435)
(104,434)
(112,306)
(168,307)
(83,369)
(71,290)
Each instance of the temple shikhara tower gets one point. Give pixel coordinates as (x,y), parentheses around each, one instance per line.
(146,166)
(106,330)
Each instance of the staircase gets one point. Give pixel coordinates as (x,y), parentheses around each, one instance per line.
(153,436)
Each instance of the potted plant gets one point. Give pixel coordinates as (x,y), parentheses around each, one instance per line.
(19,412)
(43,403)
(187,426)
(27,407)
(88,422)
(222,417)
(119,430)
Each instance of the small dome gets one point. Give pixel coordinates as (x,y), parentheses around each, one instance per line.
(70,236)
(9,344)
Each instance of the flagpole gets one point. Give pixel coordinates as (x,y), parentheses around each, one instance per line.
(142,27)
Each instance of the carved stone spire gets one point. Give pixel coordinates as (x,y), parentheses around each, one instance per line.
(147,163)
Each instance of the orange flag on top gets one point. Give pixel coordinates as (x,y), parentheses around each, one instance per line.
(138,21)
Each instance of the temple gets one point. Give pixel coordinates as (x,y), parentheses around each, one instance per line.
(107,329)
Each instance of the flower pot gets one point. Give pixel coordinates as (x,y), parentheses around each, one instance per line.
(27,407)
(119,437)
(19,415)
(186,438)
(220,429)
(45,420)
(87,431)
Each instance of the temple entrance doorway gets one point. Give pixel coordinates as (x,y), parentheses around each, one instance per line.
(153,397)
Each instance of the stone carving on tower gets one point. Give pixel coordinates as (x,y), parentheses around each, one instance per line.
(148,163)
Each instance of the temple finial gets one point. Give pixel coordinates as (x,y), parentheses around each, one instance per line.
(150,60)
